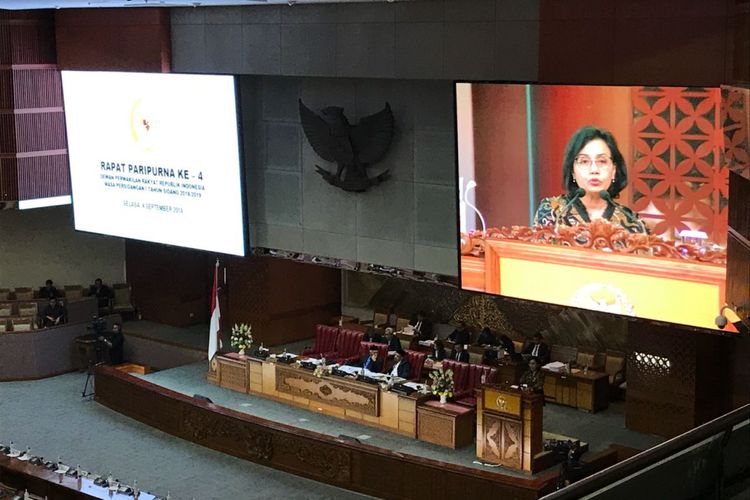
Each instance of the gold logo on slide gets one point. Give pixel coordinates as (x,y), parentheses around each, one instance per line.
(144,126)
(603,297)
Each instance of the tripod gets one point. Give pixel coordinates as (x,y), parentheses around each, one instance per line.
(89,373)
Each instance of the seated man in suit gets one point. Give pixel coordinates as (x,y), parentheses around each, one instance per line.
(486,337)
(401,367)
(48,291)
(394,344)
(373,335)
(459,354)
(537,348)
(371,362)
(54,313)
(101,292)
(461,334)
(437,353)
(114,341)
(422,325)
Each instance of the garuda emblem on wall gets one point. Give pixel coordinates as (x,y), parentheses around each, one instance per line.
(354,148)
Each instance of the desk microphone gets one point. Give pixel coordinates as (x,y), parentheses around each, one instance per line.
(576,194)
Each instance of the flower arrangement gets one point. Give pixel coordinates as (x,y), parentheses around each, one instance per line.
(321,370)
(441,383)
(242,337)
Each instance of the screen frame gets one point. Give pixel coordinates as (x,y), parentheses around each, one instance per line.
(241,163)
(552,305)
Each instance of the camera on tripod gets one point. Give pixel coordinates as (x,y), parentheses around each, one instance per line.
(98,325)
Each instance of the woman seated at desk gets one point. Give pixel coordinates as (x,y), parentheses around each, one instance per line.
(533,378)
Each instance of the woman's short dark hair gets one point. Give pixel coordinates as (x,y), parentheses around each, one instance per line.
(576,143)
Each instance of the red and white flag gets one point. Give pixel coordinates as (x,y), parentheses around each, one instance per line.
(214,342)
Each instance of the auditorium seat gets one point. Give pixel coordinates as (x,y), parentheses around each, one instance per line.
(465,378)
(3,325)
(588,357)
(23,324)
(28,309)
(416,361)
(24,293)
(4,293)
(401,323)
(518,344)
(73,292)
(563,353)
(6,309)
(122,300)
(325,342)
(347,346)
(614,366)
(364,350)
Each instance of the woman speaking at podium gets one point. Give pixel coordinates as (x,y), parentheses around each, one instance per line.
(594,174)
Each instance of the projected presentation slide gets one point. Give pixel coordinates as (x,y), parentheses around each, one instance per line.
(156,157)
(605,198)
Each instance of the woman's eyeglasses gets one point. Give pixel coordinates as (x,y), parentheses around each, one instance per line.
(584,162)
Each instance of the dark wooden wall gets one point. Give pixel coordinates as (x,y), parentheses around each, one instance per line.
(113,39)
(281,299)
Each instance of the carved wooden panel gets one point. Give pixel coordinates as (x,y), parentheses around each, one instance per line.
(336,391)
(233,374)
(502,441)
(309,454)
(227,434)
(329,463)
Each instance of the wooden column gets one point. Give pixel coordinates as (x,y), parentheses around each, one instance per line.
(33,149)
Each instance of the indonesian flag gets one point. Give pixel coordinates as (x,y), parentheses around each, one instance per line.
(214,342)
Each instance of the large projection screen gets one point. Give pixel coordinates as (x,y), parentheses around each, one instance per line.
(156,157)
(610,198)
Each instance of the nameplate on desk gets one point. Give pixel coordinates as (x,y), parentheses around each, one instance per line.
(503,402)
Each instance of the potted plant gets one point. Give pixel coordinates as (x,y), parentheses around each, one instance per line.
(441,384)
(242,337)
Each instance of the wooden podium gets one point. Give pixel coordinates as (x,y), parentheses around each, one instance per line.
(679,291)
(509,427)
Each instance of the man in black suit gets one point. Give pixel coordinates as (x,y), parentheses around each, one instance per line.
(394,344)
(371,362)
(537,348)
(48,291)
(459,354)
(114,341)
(373,335)
(54,313)
(401,367)
(101,292)
(422,325)
(460,335)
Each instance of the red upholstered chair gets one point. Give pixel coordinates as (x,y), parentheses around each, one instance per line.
(416,361)
(325,342)
(364,350)
(347,346)
(466,377)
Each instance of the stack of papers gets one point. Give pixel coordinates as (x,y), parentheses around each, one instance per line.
(555,366)
(426,343)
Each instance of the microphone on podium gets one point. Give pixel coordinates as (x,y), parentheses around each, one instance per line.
(575,195)
(604,195)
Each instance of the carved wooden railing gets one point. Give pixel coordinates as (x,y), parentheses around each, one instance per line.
(597,235)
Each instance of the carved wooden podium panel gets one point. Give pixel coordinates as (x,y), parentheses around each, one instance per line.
(679,291)
(509,427)
(336,391)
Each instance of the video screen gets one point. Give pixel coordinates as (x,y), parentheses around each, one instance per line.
(610,198)
(156,157)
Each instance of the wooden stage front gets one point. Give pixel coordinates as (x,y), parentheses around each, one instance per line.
(338,461)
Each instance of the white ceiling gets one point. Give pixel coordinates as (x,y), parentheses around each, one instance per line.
(75,4)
